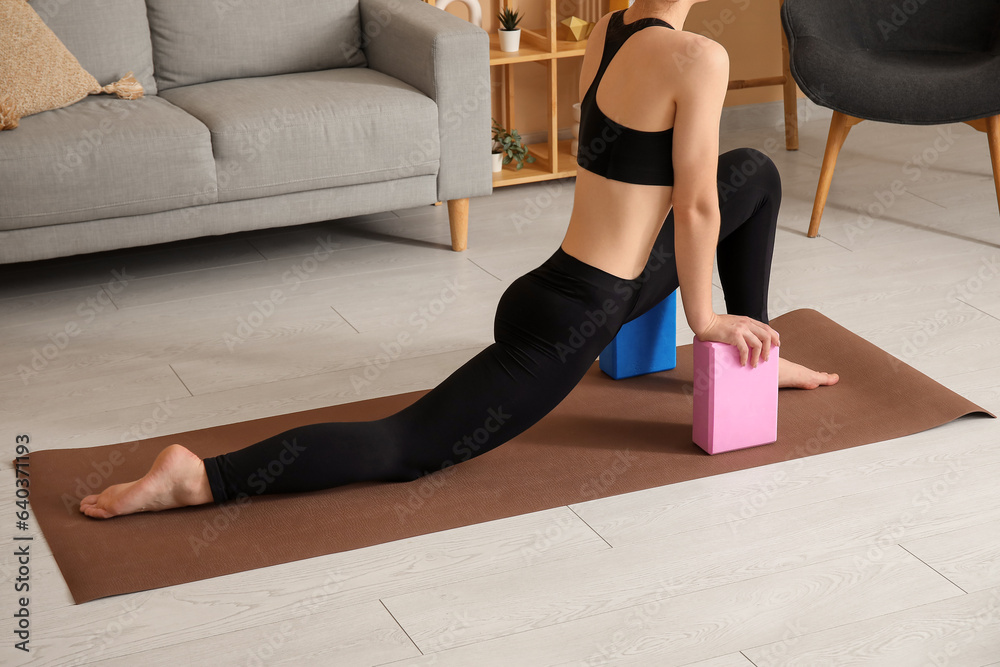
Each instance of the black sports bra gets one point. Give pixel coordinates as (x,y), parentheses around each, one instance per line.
(610,149)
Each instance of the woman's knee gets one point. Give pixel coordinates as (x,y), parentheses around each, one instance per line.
(748,166)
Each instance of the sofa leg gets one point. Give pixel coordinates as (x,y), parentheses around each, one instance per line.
(458,218)
(840,125)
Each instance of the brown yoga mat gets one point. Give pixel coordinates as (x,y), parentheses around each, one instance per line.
(607,437)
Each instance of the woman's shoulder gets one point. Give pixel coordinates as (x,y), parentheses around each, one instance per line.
(680,42)
(601,26)
(706,44)
(696,55)
(600,29)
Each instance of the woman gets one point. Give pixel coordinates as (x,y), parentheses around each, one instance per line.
(650,182)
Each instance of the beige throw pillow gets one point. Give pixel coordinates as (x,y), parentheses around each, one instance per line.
(38,73)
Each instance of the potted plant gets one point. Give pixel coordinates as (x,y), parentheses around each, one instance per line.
(510,34)
(510,146)
(498,156)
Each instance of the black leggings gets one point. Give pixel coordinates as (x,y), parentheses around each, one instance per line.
(550,326)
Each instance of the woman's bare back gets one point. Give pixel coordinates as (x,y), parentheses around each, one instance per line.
(614,224)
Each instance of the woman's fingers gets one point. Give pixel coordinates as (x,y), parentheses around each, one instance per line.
(755,345)
(744,349)
(752,338)
(765,334)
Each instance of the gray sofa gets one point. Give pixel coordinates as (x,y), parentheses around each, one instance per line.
(257,114)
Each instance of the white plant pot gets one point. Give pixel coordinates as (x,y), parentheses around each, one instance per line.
(497,162)
(509,39)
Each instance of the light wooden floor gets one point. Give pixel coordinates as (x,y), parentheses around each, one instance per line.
(887,554)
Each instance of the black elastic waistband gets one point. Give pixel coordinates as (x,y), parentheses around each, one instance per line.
(563,261)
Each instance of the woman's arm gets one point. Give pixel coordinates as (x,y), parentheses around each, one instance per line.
(702,77)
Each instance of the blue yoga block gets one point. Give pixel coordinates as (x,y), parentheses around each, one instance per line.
(647,344)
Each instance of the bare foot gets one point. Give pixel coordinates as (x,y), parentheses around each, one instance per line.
(177,479)
(791,374)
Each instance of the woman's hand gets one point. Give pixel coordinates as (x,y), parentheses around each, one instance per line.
(752,338)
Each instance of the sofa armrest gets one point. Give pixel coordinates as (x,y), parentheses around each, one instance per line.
(447,59)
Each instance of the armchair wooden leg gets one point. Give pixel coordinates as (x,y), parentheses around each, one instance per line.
(458,218)
(840,125)
(790,94)
(991,126)
(993,134)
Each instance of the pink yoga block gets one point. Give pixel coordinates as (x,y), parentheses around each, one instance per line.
(735,406)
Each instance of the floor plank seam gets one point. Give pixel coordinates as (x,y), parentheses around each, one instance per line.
(990,315)
(271,285)
(798,508)
(250,242)
(610,546)
(346,386)
(645,602)
(111,298)
(400,626)
(341,315)
(936,571)
(929,201)
(479,266)
(836,243)
(177,375)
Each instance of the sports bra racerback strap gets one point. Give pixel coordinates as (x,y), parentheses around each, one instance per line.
(610,149)
(616,35)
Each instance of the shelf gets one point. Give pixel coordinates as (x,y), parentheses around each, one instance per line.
(542,45)
(540,169)
(526,53)
(570,47)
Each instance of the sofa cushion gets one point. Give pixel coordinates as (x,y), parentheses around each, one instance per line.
(110,38)
(37,72)
(104,158)
(195,41)
(294,132)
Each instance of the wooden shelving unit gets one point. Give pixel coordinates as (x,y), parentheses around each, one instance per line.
(545,48)
(552,157)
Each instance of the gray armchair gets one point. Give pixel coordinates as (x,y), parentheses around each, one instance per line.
(921,62)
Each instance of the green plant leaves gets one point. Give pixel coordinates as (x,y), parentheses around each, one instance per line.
(508,19)
(511,145)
